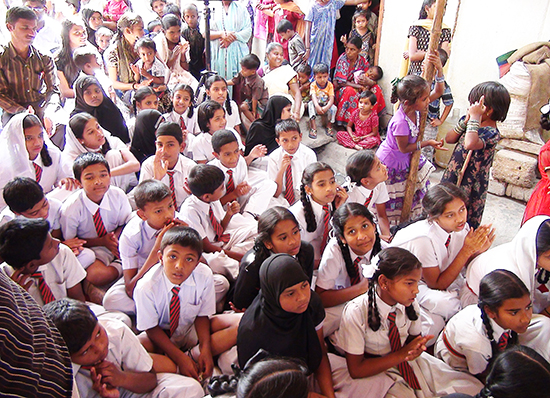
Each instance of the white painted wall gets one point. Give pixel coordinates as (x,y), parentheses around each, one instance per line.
(485,30)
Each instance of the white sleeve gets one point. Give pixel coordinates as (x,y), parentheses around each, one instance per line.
(383,195)
(147,316)
(351,335)
(128,252)
(208,296)
(423,249)
(329,268)
(134,356)
(272,168)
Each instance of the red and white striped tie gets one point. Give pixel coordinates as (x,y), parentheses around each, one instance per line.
(174,310)
(98,224)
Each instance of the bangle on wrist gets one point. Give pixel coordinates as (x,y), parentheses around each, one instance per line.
(440,79)
(418,146)
(133,86)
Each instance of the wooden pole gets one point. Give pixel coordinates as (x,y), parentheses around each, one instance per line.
(428,75)
(379,31)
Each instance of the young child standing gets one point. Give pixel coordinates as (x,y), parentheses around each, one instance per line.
(304,74)
(195,39)
(322,100)
(380,333)
(175,306)
(360,29)
(365,121)
(295,45)
(477,133)
(369,176)
(396,150)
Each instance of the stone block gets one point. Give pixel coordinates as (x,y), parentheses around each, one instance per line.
(515,168)
(519,193)
(512,127)
(497,187)
(522,146)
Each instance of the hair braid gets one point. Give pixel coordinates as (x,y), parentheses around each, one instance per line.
(311,224)
(490,332)
(411,313)
(228,105)
(344,248)
(45,156)
(373,316)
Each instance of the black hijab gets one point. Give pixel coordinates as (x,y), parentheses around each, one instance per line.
(266,325)
(143,142)
(262,131)
(107,114)
(86,15)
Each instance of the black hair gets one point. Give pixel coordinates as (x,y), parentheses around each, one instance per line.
(320,68)
(494,288)
(356,41)
(361,13)
(305,69)
(286,125)
(221,138)
(169,20)
(267,222)
(172,9)
(182,236)
(146,42)
(439,196)
(274,378)
(284,25)
(32,121)
(443,56)
(542,246)
(190,6)
(78,123)
(409,89)
(206,112)
(153,24)
(187,88)
(426,3)
(379,71)
(75,321)
(369,95)
(22,240)
(88,159)
(75,3)
(65,55)
(152,1)
(171,129)
(339,219)
(360,164)
(518,372)
(140,94)
(393,262)
(217,78)
(149,191)
(307,179)
(497,98)
(205,179)
(251,61)
(22,194)
(83,55)
(16,13)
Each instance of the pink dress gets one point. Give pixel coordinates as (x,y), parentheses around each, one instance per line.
(362,129)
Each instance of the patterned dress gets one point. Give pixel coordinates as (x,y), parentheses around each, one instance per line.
(422,40)
(362,129)
(347,97)
(476,177)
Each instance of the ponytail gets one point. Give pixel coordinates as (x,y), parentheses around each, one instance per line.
(311,224)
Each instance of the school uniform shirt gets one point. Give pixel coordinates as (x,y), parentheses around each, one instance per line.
(464,344)
(78,210)
(181,171)
(54,214)
(153,295)
(303,157)
(59,169)
(333,274)
(202,146)
(234,119)
(190,124)
(360,194)
(136,242)
(195,213)
(315,237)
(62,273)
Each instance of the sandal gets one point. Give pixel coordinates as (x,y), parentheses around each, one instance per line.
(330,132)
(313,134)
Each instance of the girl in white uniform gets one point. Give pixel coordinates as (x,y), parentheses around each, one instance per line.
(444,244)
(380,333)
(216,89)
(503,317)
(340,277)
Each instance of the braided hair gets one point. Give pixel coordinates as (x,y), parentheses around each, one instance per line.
(217,78)
(32,120)
(392,262)
(187,88)
(307,179)
(339,219)
(494,289)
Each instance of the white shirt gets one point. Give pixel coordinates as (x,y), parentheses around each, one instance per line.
(48,39)
(153,295)
(195,213)
(315,237)
(54,214)
(202,146)
(136,242)
(60,168)
(181,171)
(356,337)
(158,69)
(240,173)
(190,122)
(360,194)
(234,119)
(333,274)
(62,273)
(303,157)
(77,213)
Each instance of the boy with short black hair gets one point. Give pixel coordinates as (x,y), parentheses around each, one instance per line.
(175,306)
(296,46)
(192,34)
(96,213)
(169,165)
(86,59)
(322,100)
(253,190)
(287,163)
(108,358)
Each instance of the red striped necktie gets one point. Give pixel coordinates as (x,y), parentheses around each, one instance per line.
(289,184)
(230,182)
(182,124)
(326,226)
(448,241)
(395,342)
(98,224)
(218,230)
(174,310)
(45,291)
(172,187)
(357,278)
(503,341)
(367,202)
(37,172)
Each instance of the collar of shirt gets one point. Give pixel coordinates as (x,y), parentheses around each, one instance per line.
(199,204)
(364,259)
(295,155)
(92,206)
(385,309)
(318,210)
(149,231)
(440,234)
(13,53)
(190,281)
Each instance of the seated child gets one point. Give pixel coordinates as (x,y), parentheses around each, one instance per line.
(304,74)
(368,175)
(216,90)
(365,121)
(219,229)
(184,113)
(108,359)
(142,99)
(287,163)
(196,41)
(96,213)
(253,191)
(250,91)
(154,27)
(322,100)
(175,306)
(38,263)
(103,38)
(373,74)
(169,165)
(296,46)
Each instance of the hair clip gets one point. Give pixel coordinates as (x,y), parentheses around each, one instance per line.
(370,269)
(396,81)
